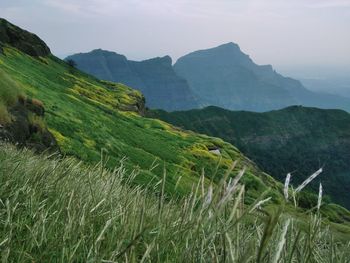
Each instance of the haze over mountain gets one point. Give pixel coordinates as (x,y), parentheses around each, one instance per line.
(226,77)
(222,76)
(155,78)
(339,86)
(334,79)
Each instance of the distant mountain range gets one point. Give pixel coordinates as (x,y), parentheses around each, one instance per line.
(155,78)
(222,76)
(339,86)
(295,139)
(226,77)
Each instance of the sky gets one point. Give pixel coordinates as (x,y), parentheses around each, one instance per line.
(293,33)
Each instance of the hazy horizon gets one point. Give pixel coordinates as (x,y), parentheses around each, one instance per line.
(286,34)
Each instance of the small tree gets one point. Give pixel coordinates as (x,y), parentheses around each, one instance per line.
(71,63)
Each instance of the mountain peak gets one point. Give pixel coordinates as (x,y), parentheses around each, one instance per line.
(228,53)
(229,45)
(164,61)
(107,53)
(22,40)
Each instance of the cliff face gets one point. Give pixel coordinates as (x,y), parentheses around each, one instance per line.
(226,77)
(22,40)
(155,78)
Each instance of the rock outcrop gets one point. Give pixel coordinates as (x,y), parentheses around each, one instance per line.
(21,39)
(27,129)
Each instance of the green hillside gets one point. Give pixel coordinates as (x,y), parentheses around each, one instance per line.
(134,189)
(295,139)
(94,120)
(90,118)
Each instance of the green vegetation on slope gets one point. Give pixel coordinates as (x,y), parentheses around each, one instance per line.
(89,118)
(9,93)
(58,210)
(295,139)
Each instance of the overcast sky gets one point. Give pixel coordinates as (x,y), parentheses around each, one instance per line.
(277,32)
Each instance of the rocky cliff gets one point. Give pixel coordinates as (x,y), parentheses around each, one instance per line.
(22,40)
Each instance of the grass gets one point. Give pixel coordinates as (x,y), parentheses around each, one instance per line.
(9,92)
(60,210)
(5,117)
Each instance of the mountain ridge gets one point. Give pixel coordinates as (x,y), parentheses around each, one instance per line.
(154,77)
(226,77)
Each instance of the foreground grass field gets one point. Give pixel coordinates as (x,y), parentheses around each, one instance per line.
(55,210)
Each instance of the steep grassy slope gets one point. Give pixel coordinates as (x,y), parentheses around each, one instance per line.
(54,210)
(155,78)
(295,139)
(98,121)
(89,117)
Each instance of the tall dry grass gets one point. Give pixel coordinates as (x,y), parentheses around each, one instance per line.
(60,210)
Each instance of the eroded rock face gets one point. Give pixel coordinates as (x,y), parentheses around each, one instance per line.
(21,39)
(26,128)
